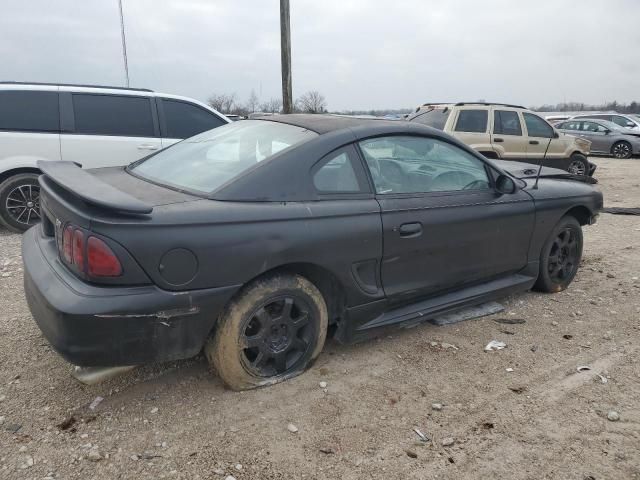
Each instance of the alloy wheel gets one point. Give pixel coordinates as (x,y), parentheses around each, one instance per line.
(23,204)
(564,256)
(577,167)
(621,150)
(277,336)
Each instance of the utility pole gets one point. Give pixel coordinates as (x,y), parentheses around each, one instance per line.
(285,56)
(124,44)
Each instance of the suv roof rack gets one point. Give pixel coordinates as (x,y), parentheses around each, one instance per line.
(75,85)
(459,104)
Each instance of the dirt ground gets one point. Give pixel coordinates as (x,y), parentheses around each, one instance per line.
(540,420)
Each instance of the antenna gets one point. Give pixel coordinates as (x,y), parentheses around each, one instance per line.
(544,157)
(124,43)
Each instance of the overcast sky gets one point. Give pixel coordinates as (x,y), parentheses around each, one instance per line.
(360,54)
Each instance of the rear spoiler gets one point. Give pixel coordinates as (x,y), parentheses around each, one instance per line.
(89,188)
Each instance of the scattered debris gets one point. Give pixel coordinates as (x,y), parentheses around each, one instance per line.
(534,348)
(292,428)
(218,471)
(488,425)
(238,466)
(443,345)
(613,416)
(96,401)
(67,423)
(422,436)
(507,332)
(494,345)
(12,427)
(566,336)
(602,378)
(323,384)
(510,321)
(583,368)
(436,406)
(327,450)
(449,441)
(520,389)
(554,323)
(621,211)
(94,456)
(509,369)
(134,457)
(230,477)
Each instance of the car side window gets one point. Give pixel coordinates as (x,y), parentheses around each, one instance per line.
(185,120)
(121,115)
(474,121)
(335,173)
(623,122)
(26,111)
(407,164)
(537,127)
(592,127)
(506,122)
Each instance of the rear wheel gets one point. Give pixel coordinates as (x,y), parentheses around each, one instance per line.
(20,202)
(578,164)
(621,150)
(272,331)
(560,256)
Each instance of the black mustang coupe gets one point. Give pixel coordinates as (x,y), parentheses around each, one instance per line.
(256,240)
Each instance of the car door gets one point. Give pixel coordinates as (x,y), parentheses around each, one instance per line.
(180,120)
(596,134)
(444,224)
(540,137)
(506,137)
(471,127)
(105,130)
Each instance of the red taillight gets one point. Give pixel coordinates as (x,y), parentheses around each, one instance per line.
(78,249)
(67,244)
(101,261)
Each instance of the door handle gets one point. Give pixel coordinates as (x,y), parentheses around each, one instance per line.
(410,229)
(146,146)
(534,142)
(498,140)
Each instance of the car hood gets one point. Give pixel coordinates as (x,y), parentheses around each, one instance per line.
(530,170)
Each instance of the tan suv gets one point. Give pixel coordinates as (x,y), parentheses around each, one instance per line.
(508,132)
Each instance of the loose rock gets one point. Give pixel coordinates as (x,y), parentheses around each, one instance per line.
(447,442)
(613,416)
(94,456)
(323,384)
(436,406)
(292,428)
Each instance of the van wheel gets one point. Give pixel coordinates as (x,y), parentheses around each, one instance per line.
(560,256)
(20,202)
(621,150)
(578,164)
(272,331)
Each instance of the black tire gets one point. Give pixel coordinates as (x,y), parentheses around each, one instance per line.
(20,202)
(621,150)
(578,164)
(560,256)
(272,331)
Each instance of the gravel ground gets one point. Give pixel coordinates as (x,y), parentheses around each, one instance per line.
(520,413)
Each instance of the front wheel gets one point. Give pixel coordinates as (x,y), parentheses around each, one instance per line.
(20,202)
(560,256)
(621,150)
(578,164)
(272,331)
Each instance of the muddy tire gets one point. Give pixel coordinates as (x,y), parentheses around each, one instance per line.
(578,164)
(20,202)
(560,256)
(272,331)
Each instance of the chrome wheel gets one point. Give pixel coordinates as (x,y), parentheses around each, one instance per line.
(621,150)
(23,204)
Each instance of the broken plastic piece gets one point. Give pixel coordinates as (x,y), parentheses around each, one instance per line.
(494,345)
(422,436)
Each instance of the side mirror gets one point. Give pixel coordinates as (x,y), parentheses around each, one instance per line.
(607,131)
(630,124)
(505,184)
(556,134)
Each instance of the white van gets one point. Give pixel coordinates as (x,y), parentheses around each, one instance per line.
(93,126)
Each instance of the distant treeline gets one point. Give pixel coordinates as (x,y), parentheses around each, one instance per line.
(633,107)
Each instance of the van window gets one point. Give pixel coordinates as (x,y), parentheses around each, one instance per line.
(185,120)
(474,121)
(35,111)
(126,116)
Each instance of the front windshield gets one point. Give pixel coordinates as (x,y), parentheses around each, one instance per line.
(207,161)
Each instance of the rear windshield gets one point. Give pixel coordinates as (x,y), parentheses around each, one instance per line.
(207,161)
(434,117)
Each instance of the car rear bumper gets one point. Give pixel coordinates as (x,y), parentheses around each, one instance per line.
(92,325)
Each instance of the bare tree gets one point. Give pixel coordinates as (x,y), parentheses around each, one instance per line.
(225,103)
(253,101)
(273,105)
(312,102)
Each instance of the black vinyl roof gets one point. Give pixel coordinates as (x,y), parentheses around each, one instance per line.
(325,123)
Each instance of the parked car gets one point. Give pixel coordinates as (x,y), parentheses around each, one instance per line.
(606,137)
(555,119)
(92,126)
(256,239)
(507,132)
(625,121)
